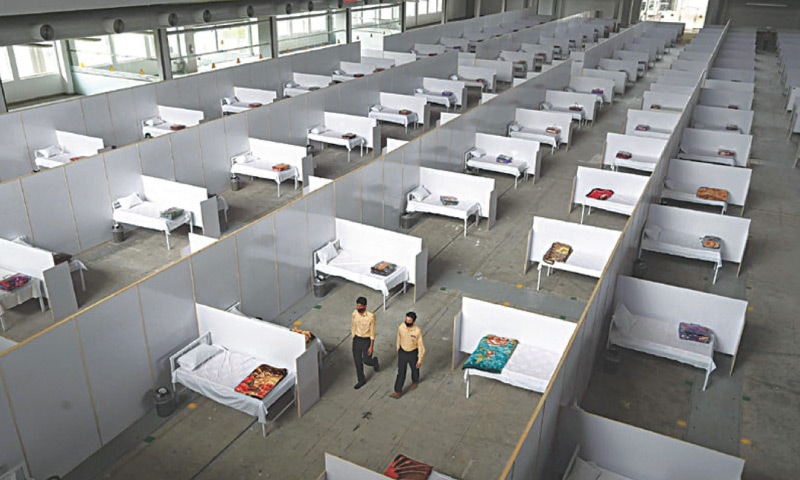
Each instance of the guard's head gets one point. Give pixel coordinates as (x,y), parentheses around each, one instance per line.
(411,317)
(361,304)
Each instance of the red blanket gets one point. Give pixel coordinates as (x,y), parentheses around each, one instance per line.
(600,193)
(403,467)
(261,381)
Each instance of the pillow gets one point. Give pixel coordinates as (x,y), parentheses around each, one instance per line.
(477,152)
(669,184)
(290,84)
(376,108)
(327,253)
(317,129)
(652,232)
(419,90)
(583,470)
(454,77)
(624,319)
(198,356)
(247,157)
(50,151)
(129,201)
(420,193)
(545,106)
(228,100)
(338,72)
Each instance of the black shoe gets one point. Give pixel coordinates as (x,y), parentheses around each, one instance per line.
(359,385)
(377,365)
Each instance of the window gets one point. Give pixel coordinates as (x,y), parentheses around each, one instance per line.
(36,59)
(131,53)
(6,74)
(303,31)
(371,24)
(202,48)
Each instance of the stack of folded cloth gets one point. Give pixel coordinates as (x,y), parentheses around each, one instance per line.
(576,108)
(712,242)
(281,167)
(554,130)
(642,128)
(504,159)
(448,200)
(694,332)
(406,468)
(172,213)
(14,281)
(708,193)
(624,155)
(349,136)
(558,252)
(600,193)
(383,268)
(724,152)
(177,127)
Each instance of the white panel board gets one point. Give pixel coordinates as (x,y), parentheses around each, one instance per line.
(216,279)
(50,211)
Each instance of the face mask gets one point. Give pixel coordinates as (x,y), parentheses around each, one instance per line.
(409,325)
(361,308)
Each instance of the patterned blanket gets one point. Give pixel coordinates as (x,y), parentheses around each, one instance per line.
(558,252)
(708,193)
(406,468)
(492,354)
(261,381)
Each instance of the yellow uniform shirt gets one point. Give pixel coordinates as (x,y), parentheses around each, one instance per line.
(410,339)
(363,325)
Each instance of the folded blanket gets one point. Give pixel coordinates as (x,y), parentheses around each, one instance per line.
(405,112)
(732,126)
(448,200)
(642,128)
(349,136)
(597,91)
(723,152)
(261,381)
(711,242)
(492,354)
(655,106)
(12,282)
(555,130)
(624,155)
(309,336)
(504,159)
(558,252)
(406,468)
(281,167)
(254,105)
(694,332)
(171,213)
(576,108)
(708,193)
(600,193)
(383,269)
(61,257)
(177,127)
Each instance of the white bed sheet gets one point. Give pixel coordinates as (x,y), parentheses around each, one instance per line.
(393,116)
(18,296)
(529,367)
(148,215)
(218,376)
(708,157)
(437,98)
(682,244)
(160,129)
(661,339)
(335,138)
(541,136)
(685,194)
(56,160)
(588,474)
(263,169)
(653,132)
(295,91)
(617,203)
(576,115)
(237,107)
(352,266)
(636,162)
(489,162)
(432,204)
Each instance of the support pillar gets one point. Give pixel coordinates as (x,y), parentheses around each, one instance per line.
(162,54)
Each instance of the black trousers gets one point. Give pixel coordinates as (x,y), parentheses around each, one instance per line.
(406,359)
(361,357)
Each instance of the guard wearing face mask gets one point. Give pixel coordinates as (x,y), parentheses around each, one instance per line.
(363,330)
(410,351)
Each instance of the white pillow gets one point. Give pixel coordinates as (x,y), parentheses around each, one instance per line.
(652,232)
(478,152)
(669,184)
(228,100)
(454,77)
(419,90)
(290,84)
(420,193)
(546,106)
(624,319)
(338,72)
(327,253)
(247,157)
(129,201)
(583,470)
(376,108)
(515,127)
(317,129)
(50,151)
(198,356)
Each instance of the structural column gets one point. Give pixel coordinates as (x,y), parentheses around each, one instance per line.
(162,54)
(3,104)
(273,35)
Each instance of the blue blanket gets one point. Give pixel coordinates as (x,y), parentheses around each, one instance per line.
(492,354)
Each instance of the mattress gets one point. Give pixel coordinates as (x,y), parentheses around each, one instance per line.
(356,268)
(335,138)
(437,98)
(218,376)
(653,133)
(636,163)
(660,338)
(432,204)
(295,91)
(530,367)
(708,157)
(344,77)
(682,244)
(54,161)
(489,162)
(580,261)
(579,116)
(148,215)
(263,169)
(552,139)
(236,107)
(688,194)
(618,203)
(582,470)
(394,116)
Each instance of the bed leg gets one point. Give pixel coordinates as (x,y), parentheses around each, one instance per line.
(263,430)
(716,271)
(279,188)
(166,234)
(465,225)
(467,380)
(83,280)
(384,303)
(539,279)
(515,182)
(583,207)
(705,384)
(2,323)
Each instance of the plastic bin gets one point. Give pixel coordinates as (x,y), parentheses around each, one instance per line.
(320,285)
(165,401)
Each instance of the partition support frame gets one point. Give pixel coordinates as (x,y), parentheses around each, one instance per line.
(162,52)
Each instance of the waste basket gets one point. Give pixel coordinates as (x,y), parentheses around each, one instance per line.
(165,401)
(320,285)
(236,183)
(407,221)
(118,233)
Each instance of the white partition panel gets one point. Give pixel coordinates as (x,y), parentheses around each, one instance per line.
(123,171)
(187,157)
(680,77)
(732,230)
(88,192)
(408,102)
(339,469)
(13,221)
(293,255)
(504,70)
(708,142)
(439,85)
(255,95)
(619,78)
(566,99)
(51,216)
(372,194)
(732,74)
(15,159)
(664,100)
(258,269)
(630,68)
(642,148)
(361,126)
(117,365)
(155,155)
(718,118)
(588,84)
(10,447)
(729,85)
(516,148)
(57,427)
(689,65)
(216,279)
(594,242)
(661,122)
(669,88)
(274,344)
(726,98)
(378,62)
(216,163)
(181,116)
(627,185)
(166,192)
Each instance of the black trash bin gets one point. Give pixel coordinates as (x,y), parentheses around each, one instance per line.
(320,286)
(236,183)
(165,401)
(118,233)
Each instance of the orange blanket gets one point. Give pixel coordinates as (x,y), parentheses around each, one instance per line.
(259,383)
(559,252)
(708,193)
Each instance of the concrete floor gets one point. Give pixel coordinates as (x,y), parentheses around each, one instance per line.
(367,427)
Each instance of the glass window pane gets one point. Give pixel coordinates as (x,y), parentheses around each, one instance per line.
(422,7)
(284,29)
(6,75)
(36,59)
(319,23)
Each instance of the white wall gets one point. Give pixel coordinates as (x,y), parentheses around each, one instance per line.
(572,7)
